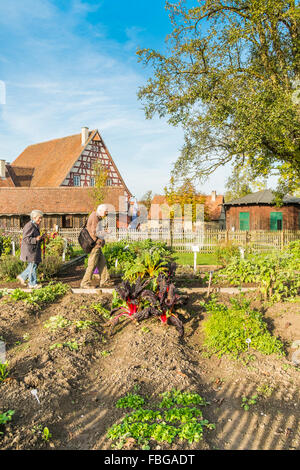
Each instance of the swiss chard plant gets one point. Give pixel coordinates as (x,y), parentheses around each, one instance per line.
(128,298)
(162,304)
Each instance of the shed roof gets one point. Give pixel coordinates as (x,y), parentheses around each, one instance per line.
(265,196)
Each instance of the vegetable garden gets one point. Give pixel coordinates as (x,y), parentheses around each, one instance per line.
(166,360)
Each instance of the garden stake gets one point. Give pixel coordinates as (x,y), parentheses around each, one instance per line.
(209,283)
(34,393)
(43,247)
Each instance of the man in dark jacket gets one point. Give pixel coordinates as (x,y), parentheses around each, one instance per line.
(96,257)
(31,250)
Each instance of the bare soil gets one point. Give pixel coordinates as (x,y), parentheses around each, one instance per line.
(78,389)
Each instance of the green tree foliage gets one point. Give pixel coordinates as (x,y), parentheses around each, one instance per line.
(146,199)
(230,77)
(185,195)
(99,189)
(240,184)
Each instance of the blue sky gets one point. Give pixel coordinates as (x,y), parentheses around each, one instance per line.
(72,63)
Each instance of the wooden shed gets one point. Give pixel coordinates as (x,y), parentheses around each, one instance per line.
(258,211)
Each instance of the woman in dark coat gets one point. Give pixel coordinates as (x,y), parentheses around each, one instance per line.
(31,250)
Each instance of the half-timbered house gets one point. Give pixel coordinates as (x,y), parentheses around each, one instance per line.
(58,177)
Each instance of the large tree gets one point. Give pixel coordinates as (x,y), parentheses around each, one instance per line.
(231,78)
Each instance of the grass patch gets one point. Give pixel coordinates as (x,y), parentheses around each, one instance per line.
(202,258)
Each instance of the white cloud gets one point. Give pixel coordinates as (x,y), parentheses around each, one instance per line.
(67,80)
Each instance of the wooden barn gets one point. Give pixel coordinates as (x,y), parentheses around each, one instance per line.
(58,178)
(257,211)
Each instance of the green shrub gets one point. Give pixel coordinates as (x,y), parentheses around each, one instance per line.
(121,251)
(55,248)
(5,245)
(49,267)
(228,330)
(226,251)
(10,267)
(127,252)
(294,249)
(275,274)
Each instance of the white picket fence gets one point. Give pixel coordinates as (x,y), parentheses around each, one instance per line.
(207,240)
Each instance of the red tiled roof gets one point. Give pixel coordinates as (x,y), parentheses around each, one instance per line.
(63,200)
(51,160)
(20,176)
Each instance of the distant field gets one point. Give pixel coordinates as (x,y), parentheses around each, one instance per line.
(202,258)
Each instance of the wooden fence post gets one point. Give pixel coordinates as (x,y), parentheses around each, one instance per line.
(282,239)
(226,236)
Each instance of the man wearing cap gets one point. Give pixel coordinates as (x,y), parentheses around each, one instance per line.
(96,228)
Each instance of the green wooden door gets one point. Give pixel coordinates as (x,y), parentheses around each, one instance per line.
(276,221)
(244,220)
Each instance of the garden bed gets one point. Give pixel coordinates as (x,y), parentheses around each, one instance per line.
(78,383)
(152,365)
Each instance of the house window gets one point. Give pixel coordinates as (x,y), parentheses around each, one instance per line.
(108,182)
(92,181)
(76,180)
(67,221)
(244,220)
(276,221)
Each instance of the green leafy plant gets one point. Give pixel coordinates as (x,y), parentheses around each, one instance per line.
(176,397)
(274,274)
(46,434)
(247,402)
(4,371)
(101,310)
(175,422)
(84,324)
(72,345)
(10,267)
(228,330)
(5,418)
(49,267)
(5,245)
(105,353)
(131,400)
(39,297)
(57,321)
(226,251)
(145,265)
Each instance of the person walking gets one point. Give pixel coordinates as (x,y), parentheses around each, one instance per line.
(31,250)
(97,228)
